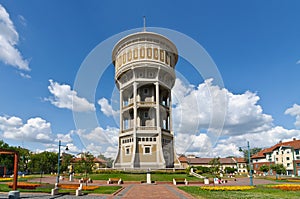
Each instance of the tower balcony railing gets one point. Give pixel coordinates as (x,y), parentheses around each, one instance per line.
(127,130)
(146,128)
(146,104)
(127,106)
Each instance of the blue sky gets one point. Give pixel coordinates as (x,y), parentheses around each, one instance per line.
(255,45)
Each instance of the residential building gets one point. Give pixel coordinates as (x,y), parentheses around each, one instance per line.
(286,153)
(236,163)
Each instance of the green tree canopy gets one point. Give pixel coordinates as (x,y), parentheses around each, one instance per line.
(215,165)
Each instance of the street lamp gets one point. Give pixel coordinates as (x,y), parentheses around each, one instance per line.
(249,162)
(58,160)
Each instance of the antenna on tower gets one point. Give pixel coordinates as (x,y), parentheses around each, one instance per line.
(144,18)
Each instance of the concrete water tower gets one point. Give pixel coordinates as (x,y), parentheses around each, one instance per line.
(144,74)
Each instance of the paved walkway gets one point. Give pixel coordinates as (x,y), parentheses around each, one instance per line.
(152,191)
(129,192)
(135,190)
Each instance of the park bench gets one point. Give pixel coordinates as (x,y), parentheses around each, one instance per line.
(85,180)
(114,180)
(180,181)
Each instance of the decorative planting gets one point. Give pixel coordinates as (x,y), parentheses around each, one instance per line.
(286,187)
(226,188)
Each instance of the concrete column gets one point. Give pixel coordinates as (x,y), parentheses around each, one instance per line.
(170,113)
(121,110)
(157,105)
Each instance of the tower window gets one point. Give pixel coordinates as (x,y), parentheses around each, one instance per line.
(146,91)
(147,149)
(127,150)
(146,115)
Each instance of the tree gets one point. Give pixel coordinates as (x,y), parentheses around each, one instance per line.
(229,170)
(86,164)
(24,158)
(279,168)
(109,161)
(264,168)
(252,152)
(215,165)
(66,162)
(45,162)
(6,160)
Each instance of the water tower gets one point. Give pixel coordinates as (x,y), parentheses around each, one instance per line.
(144,74)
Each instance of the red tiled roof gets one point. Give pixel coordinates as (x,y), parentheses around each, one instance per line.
(182,159)
(96,160)
(207,160)
(240,160)
(294,143)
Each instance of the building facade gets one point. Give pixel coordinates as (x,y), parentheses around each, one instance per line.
(239,164)
(144,74)
(286,153)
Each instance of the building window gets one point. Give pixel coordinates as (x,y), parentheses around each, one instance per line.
(127,150)
(147,150)
(287,158)
(146,91)
(288,164)
(276,152)
(297,151)
(146,115)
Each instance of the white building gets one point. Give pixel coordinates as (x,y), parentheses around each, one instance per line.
(144,74)
(286,153)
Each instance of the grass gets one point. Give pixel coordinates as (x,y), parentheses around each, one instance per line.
(142,177)
(46,188)
(105,190)
(260,192)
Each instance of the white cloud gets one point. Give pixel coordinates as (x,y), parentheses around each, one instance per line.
(298,62)
(106,108)
(192,115)
(34,130)
(294,111)
(194,110)
(65,97)
(100,141)
(9,38)
(25,76)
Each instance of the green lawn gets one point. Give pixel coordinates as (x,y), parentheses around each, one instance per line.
(142,177)
(260,192)
(46,188)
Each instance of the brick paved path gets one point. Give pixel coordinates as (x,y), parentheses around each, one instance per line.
(152,191)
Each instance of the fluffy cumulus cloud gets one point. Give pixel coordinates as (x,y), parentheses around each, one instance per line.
(34,130)
(9,38)
(65,97)
(294,111)
(100,141)
(196,109)
(240,116)
(106,108)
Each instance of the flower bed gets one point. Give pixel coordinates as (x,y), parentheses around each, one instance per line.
(286,187)
(76,186)
(24,185)
(227,188)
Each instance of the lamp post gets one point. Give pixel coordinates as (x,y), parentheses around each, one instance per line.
(249,162)
(58,160)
